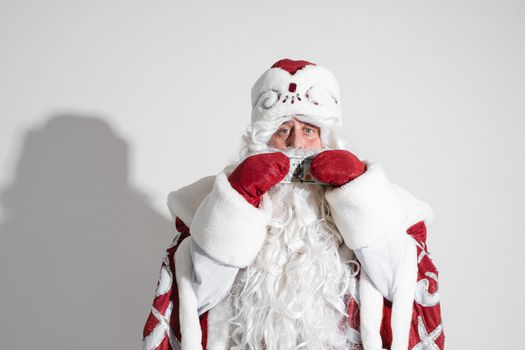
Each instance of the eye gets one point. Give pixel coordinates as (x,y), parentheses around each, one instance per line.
(283,131)
(309,131)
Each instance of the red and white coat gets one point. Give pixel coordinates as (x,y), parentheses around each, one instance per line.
(371,210)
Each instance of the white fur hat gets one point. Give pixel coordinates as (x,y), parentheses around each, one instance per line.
(297,88)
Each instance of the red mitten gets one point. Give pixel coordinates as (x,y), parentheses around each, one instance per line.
(336,167)
(258,173)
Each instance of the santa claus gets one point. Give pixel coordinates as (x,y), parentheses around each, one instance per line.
(268,258)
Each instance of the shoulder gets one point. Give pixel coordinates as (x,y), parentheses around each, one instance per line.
(184,202)
(417,210)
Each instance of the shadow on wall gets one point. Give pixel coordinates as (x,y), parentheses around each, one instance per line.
(80,250)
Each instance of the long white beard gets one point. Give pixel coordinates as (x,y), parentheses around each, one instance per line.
(292,296)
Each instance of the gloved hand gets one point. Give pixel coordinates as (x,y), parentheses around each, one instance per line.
(257,174)
(336,167)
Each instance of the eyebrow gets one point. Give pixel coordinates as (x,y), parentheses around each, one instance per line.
(312,126)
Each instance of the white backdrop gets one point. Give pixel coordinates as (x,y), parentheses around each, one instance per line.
(106,106)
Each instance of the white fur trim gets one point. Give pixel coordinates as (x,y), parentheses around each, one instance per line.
(227,227)
(188,316)
(403,301)
(184,202)
(367,209)
(370,312)
(218,326)
(317,89)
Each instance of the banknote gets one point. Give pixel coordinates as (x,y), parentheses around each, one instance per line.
(300,171)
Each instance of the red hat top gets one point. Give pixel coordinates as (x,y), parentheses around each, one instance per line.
(291,66)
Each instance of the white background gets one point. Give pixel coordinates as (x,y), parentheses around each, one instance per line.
(433,90)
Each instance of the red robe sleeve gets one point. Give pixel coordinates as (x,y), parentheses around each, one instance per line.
(427,329)
(162,329)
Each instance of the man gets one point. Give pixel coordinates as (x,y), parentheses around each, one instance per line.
(265,263)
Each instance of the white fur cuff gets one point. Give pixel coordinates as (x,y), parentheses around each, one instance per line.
(367,209)
(227,227)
